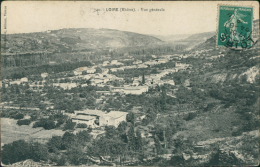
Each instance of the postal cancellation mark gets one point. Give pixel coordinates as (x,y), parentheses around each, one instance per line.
(235,27)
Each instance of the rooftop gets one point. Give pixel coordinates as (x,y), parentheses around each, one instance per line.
(116,114)
(84,117)
(91,112)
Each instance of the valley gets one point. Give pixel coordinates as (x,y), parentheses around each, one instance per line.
(108,97)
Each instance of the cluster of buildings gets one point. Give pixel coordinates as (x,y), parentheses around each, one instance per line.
(112,63)
(80,70)
(101,79)
(98,118)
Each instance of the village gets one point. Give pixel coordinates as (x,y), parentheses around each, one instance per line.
(103,76)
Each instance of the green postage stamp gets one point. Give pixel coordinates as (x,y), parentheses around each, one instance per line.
(235,27)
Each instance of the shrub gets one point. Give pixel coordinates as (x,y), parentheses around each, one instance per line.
(38,152)
(209,106)
(55,143)
(237,133)
(18,116)
(62,161)
(190,116)
(82,125)
(69,125)
(23,122)
(45,123)
(21,150)
(34,117)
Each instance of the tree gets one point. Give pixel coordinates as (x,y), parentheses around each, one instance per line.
(15,152)
(139,144)
(82,125)
(157,145)
(83,137)
(75,155)
(69,125)
(98,70)
(45,123)
(158,131)
(23,122)
(111,132)
(122,127)
(18,116)
(21,150)
(38,152)
(62,161)
(3,88)
(143,79)
(54,143)
(68,139)
(131,137)
(130,117)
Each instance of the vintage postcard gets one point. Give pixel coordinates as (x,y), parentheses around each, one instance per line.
(91,83)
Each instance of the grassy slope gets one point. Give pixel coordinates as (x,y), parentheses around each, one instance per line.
(76,39)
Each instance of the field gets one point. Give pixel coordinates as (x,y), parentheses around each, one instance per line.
(209,126)
(10,132)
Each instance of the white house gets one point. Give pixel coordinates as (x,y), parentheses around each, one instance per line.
(44,75)
(117,69)
(105,63)
(181,65)
(79,70)
(25,79)
(137,90)
(138,62)
(170,82)
(142,66)
(90,70)
(162,60)
(117,89)
(112,118)
(113,69)
(114,62)
(65,86)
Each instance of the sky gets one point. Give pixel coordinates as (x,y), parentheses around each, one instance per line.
(177,17)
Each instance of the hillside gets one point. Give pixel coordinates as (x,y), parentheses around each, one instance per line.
(73,39)
(172,38)
(196,39)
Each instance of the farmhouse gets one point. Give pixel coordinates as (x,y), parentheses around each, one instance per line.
(112,118)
